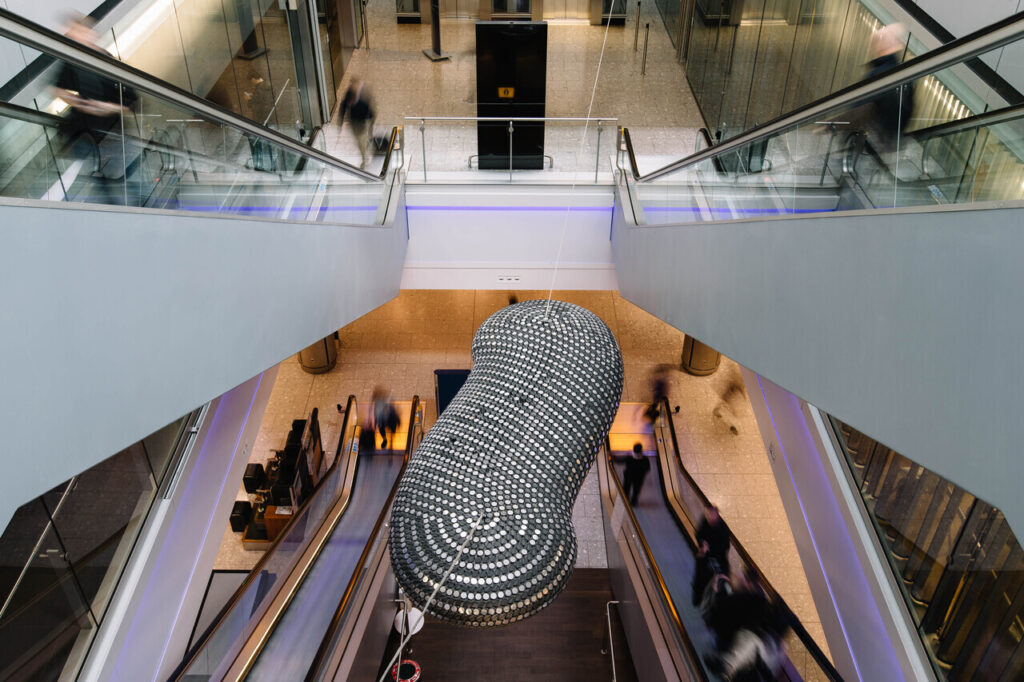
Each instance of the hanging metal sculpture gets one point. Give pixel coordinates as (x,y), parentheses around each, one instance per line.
(507,457)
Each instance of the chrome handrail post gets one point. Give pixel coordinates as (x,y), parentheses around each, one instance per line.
(423,145)
(597,155)
(510,132)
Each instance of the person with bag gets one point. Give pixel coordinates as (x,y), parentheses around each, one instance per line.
(357,106)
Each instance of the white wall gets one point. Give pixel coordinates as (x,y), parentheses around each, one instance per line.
(906,325)
(466,237)
(116,323)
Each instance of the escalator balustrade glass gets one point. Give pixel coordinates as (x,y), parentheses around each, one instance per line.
(958,563)
(882,143)
(78,126)
(669,510)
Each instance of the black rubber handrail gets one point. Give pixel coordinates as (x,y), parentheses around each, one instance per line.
(34,116)
(193,653)
(327,642)
(798,628)
(984,40)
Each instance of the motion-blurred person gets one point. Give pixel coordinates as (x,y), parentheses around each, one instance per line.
(884,118)
(259,104)
(749,631)
(356,104)
(724,411)
(637,467)
(385,416)
(659,391)
(712,551)
(96,106)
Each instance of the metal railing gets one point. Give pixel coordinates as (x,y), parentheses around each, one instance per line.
(510,122)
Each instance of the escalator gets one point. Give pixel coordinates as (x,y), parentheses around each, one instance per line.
(166,148)
(660,531)
(287,615)
(840,154)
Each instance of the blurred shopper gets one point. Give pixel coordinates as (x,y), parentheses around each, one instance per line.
(883,119)
(96,106)
(712,551)
(659,391)
(385,416)
(637,467)
(259,105)
(357,106)
(724,410)
(749,630)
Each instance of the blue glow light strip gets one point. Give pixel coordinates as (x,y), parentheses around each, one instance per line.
(591,209)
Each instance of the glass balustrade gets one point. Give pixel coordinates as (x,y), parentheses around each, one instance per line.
(218,646)
(882,150)
(957,562)
(63,553)
(71,133)
(555,150)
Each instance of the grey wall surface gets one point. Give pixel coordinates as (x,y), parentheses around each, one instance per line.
(116,323)
(906,325)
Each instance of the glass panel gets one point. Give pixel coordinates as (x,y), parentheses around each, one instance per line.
(160,447)
(915,144)
(105,143)
(959,564)
(552,151)
(231,632)
(62,555)
(100,518)
(45,625)
(330,48)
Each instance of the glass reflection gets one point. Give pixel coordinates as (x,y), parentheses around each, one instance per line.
(960,566)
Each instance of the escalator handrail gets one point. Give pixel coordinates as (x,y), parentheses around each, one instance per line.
(691,650)
(798,628)
(200,643)
(972,45)
(326,643)
(28,33)
(34,116)
(989,118)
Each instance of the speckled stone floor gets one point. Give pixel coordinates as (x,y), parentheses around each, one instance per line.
(400,344)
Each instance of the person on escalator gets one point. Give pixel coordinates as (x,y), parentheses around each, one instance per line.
(356,104)
(385,416)
(96,106)
(749,631)
(881,121)
(637,467)
(712,551)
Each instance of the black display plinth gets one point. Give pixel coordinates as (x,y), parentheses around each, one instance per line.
(511,65)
